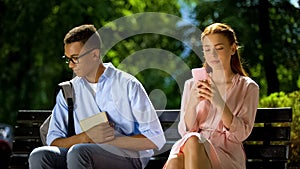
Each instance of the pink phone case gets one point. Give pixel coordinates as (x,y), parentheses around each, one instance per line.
(199,74)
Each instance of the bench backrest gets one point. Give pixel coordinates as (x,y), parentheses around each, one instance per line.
(266,147)
(268,144)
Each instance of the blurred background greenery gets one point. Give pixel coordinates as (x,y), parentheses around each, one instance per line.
(32,32)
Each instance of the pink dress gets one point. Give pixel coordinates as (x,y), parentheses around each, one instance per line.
(224,147)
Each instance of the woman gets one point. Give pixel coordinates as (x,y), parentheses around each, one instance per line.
(217,114)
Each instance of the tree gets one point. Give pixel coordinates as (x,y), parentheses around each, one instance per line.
(268,34)
(31,45)
(266,39)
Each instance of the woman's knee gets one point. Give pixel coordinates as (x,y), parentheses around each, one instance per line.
(176,163)
(193,144)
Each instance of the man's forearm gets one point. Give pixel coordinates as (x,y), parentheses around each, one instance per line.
(136,143)
(70,141)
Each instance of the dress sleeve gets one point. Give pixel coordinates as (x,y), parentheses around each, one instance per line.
(201,110)
(244,116)
(185,96)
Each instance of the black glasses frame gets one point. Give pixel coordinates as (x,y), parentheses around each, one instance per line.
(75,60)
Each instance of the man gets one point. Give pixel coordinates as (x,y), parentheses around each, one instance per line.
(133,130)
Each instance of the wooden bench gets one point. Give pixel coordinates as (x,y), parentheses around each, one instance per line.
(267,147)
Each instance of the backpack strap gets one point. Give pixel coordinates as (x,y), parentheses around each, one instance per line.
(68,93)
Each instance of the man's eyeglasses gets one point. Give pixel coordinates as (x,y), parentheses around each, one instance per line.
(75,60)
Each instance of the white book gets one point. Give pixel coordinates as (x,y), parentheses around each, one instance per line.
(92,121)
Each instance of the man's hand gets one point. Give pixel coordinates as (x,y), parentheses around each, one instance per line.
(100,133)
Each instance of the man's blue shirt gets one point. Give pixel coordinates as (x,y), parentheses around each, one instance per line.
(119,94)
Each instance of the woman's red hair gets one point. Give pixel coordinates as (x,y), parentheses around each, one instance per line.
(228,32)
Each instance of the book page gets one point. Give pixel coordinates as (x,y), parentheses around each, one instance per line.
(91,121)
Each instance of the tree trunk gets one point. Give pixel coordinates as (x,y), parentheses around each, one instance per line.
(266,41)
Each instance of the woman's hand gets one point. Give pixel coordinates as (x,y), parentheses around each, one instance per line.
(195,94)
(209,91)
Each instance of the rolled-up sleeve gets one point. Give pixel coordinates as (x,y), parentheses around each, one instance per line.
(145,115)
(58,122)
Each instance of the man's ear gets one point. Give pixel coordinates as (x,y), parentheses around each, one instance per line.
(96,53)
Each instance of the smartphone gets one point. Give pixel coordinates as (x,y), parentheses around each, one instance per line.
(199,74)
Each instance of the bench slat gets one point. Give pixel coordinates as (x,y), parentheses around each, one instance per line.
(267,152)
(32,115)
(266,164)
(270,134)
(26,131)
(22,146)
(19,161)
(153,164)
(273,115)
(168,115)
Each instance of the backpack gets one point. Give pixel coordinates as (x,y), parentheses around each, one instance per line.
(68,93)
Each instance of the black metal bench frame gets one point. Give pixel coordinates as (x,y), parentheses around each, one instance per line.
(266,148)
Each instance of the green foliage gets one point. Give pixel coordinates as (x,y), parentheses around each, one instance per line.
(32,32)
(278,99)
(282,99)
(31,45)
(283,36)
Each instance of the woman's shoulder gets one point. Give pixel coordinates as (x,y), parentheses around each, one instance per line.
(246,80)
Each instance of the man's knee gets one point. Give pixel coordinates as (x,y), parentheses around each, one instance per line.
(76,149)
(76,152)
(46,155)
(39,157)
(37,154)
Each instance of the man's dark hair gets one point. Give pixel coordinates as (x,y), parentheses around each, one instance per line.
(86,34)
